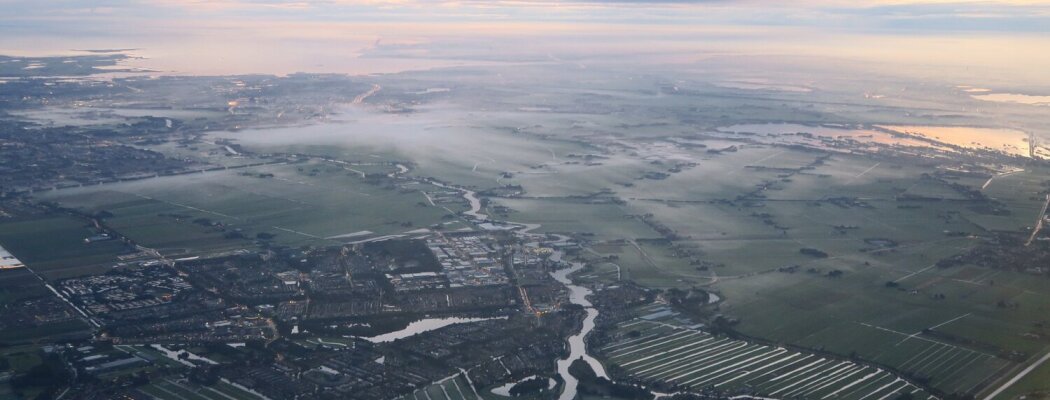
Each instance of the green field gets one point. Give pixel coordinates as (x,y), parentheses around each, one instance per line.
(301,204)
(968,339)
(600,221)
(54,247)
(170,389)
(20,284)
(656,348)
(1032,385)
(743,243)
(455,388)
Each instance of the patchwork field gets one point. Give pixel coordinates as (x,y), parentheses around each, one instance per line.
(455,388)
(308,203)
(953,333)
(657,348)
(600,221)
(54,246)
(171,389)
(833,250)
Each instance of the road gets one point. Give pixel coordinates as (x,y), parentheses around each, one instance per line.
(1018,377)
(989,181)
(1038,222)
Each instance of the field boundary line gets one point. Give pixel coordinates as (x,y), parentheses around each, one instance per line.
(1018,377)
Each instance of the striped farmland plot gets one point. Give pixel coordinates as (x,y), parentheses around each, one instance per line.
(661,350)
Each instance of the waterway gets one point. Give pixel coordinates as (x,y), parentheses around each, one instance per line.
(423,325)
(475,206)
(174,355)
(577,344)
(471,197)
(504,390)
(577,295)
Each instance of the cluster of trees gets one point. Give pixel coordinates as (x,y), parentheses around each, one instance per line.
(51,374)
(530,386)
(591,383)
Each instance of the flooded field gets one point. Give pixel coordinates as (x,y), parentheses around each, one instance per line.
(1009,141)
(437,139)
(83,116)
(818,135)
(1015,98)
(762,84)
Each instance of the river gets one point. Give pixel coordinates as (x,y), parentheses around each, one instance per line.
(577,295)
(470,196)
(475,205)
(424,325)
(577,345)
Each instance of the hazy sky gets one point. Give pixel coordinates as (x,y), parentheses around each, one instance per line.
(243,36)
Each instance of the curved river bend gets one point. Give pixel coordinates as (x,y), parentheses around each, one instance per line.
(577,345)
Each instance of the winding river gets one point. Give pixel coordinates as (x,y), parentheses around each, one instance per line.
(475,205)
(577,295)
(577,345)
(469,195)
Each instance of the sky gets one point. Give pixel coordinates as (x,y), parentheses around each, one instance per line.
(366,36)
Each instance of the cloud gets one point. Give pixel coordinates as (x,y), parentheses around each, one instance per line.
(733,19)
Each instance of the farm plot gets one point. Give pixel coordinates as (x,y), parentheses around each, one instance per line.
(657,348)
(959,344)
(53,246)
(601,221)
(947,367)
(184,390)
(305,203)
(453,388)
(954,369)
(438,140)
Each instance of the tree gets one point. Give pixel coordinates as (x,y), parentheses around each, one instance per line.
(50,373)
(529,386)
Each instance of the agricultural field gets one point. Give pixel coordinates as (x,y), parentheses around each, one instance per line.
(178,389)
(1022,193)
(305,203)
(965,327)
(954,331)
(20,284)
(453,388)
(652,263)
(599,221)
(54,247)
(1033,385)
(656,347)
(22,297)
(18,360)
(437,140)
